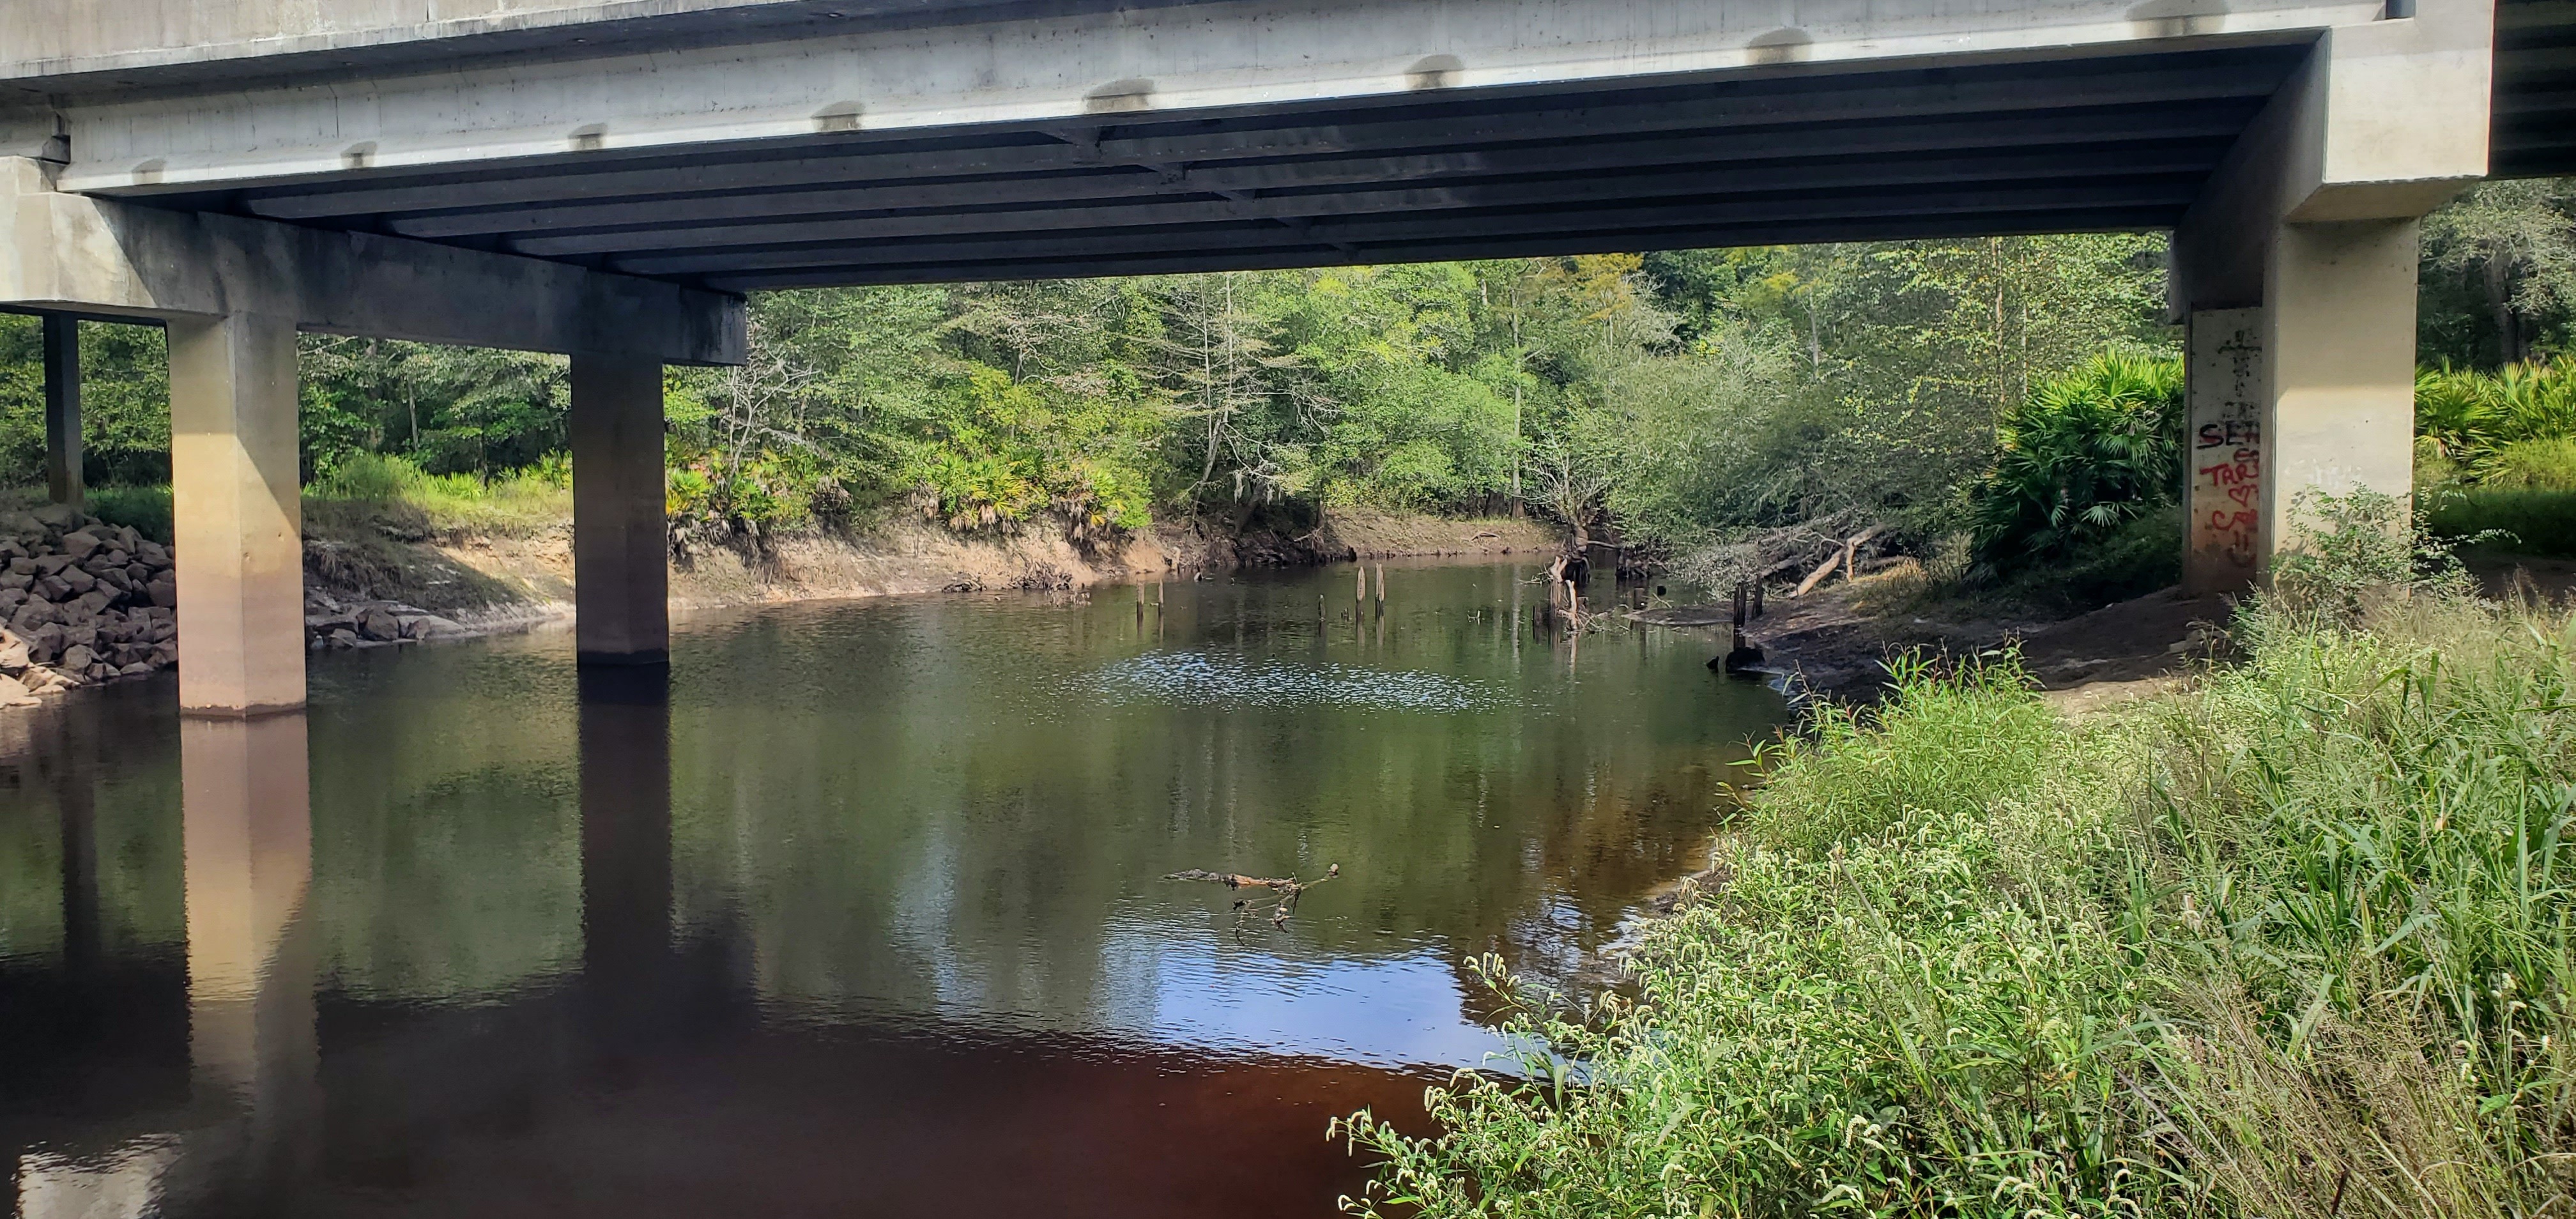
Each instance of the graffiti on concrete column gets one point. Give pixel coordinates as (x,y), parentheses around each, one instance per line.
(2227,452)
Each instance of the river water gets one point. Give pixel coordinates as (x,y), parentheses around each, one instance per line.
(859,910)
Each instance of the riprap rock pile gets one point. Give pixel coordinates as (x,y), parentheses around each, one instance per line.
(84,601)
(332,623)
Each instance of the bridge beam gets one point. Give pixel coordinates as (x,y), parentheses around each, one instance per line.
(2295,272)
(233,293)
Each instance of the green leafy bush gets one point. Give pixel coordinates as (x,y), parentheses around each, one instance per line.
(2529,521)
(2545,464)
(2088,452)
(2141,555)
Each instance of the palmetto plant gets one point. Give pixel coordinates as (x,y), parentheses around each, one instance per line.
(2088,451)
(2469,415)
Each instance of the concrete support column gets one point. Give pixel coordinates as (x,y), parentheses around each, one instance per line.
(621,546)
(62,408)
(2340,337)
(236,515)
(2229,391)
(2310,393)
(2295,270)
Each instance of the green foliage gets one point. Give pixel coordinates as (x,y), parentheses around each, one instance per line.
(2495,454)
(2349,551)
(2086,453)
(2530,521)
(2547,464)
(125,403)
(2138,557)
(447,410)
(2508,428)
(1665,403)
(147,509)
(413,500)
(1903,758)
(2292,943)
(1892,1007)
(2498,282)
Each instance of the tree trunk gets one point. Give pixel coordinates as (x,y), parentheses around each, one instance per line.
(2499,282)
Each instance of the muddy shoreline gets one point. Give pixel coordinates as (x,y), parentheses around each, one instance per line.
(1830,644)
(491,585)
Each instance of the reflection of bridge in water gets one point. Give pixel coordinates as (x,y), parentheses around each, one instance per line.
(600,178)
(645,1082)
(481,931)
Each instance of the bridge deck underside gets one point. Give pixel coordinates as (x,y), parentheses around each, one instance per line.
(1786,155)
(2534,128)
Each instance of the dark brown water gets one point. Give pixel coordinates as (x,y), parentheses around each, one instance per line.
(858,910)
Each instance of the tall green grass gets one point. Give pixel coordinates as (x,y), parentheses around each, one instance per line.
(404,498)
(2295,942)
(381,493)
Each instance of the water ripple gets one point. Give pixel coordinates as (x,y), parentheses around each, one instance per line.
(1214,678)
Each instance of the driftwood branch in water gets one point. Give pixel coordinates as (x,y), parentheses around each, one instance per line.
(1289,889)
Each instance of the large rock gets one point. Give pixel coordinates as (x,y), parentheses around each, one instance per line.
(429,626)
(378,623)
(78,658)
(80,543)
(164,591)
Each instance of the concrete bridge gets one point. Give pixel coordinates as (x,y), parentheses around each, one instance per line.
(603,178)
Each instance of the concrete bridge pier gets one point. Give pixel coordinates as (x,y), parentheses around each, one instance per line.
(621,543)
(2295,273)
(233,293)
(62,408)
(237,514)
